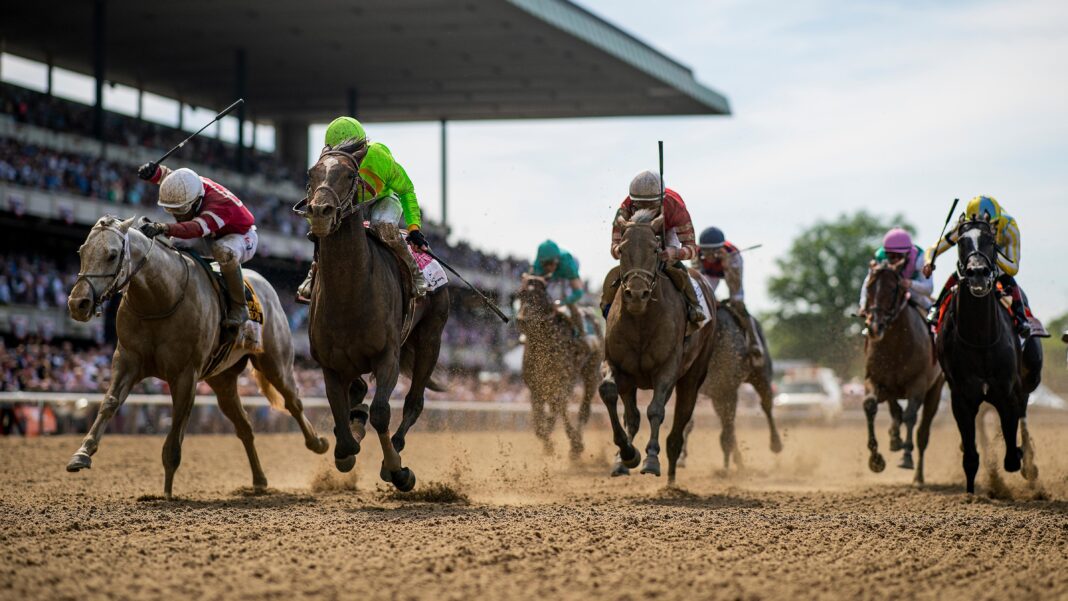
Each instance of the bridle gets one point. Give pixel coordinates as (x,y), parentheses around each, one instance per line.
(121,281)
(900,300)
(984,228)
(649,277)
(348,205)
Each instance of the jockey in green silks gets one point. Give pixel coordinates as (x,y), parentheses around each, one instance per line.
(394,198)
(555,265)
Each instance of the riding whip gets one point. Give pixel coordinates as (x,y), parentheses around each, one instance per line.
(944,225)
(226,111)
(753,247)
(486,300)
(663,233)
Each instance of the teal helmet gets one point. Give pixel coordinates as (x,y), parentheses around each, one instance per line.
(548,251)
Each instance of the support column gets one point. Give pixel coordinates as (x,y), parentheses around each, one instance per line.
(48,82)
(291,143)
(181,114)
(140,102)
(99,43)
(353,103)
(239,90)
(444,176)
(252,142)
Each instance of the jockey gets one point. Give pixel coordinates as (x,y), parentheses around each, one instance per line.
(213,219)
(1007,238)
(555,265)
(721,260)
(898,248)
(394,195)
(679,242)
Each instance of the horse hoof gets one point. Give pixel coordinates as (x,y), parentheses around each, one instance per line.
(681,462)
(876,463)
(620,470)
(906,463)
(776,446)
(896,445)
(1012,463)
(345,464)
(79,461)
(634,460)
(403,479)
(319,446)
(359,431)
(1030,473)
(652,466)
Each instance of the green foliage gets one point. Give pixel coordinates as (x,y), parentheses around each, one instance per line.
(1054,370)
(818,286)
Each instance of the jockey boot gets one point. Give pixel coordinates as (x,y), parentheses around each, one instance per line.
(1019,315)
(756,349)
(681,279)
(304,291)
(388,233)
(235,293)
(608,290)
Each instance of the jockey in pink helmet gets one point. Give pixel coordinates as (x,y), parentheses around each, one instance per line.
(898,249)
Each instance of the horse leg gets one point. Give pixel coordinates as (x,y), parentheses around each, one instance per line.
(632,418)
(685,444)
(541,429)
(896,418)
(574,434)
(876,463)
(346,447)
(909,418)
(923,434)
(685,400)
(1030,470)
(358,410)
(763,388)
(280,376)
(655,413)
(392,469)
(426,358)
(1009,421)
(964,413)
(589,386)
(183,393)
(126,371)
(225,387)
(609,393)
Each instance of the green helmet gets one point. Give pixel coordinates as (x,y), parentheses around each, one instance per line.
(344,129)
(547,251)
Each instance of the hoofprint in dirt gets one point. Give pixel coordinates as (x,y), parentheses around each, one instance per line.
(809,523)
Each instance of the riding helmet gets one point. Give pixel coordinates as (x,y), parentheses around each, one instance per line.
(180,190)
(712,237)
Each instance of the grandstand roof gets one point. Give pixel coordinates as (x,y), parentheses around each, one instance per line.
(409,60)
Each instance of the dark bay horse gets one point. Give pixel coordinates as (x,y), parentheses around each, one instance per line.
(980,353)
(169,327)
(553,362)
(357,309)
(646,347)
(899,364)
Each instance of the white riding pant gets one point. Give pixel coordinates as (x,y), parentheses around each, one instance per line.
(241,246)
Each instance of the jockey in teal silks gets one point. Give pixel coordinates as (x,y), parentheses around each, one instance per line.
(556,265)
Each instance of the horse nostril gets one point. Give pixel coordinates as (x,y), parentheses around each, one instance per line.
(628,294)
(645,295)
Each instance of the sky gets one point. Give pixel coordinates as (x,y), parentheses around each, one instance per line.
(896,107)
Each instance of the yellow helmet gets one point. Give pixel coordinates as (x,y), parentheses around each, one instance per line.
(983,205)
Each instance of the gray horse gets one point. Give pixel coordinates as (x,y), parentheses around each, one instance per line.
(729,367)
(169,327)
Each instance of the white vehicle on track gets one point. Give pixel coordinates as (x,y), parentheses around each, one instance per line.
(812,392)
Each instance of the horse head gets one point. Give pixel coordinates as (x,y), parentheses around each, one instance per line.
(535,306)
(977,256)
(886,297)
(639,259)
(335,190)
(105,267)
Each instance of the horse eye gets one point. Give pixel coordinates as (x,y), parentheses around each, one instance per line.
(113,254)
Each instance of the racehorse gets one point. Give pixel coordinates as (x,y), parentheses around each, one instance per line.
(169,327)
(728,368)
(899,363)
(553,362)
(357,319)
(980,353)
(646,347)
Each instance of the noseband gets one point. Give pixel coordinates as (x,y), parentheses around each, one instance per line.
(900,299)
(348,205)
(119,281)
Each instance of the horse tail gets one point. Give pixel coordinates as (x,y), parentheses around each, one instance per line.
(407,363)
(274,397)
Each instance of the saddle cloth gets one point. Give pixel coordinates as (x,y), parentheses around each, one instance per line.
(701,298)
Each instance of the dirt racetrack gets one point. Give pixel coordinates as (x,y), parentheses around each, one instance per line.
(811,523)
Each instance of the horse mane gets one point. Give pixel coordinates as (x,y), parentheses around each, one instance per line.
(645,216)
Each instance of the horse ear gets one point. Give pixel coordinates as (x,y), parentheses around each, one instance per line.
(658,223)
(125,225)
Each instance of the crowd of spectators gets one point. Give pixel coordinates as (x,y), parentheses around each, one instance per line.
(32,279)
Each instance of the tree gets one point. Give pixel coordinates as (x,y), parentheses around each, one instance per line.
(818,287)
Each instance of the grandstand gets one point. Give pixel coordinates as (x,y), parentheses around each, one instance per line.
(64,163)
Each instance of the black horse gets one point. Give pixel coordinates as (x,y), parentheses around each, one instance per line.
(980,353)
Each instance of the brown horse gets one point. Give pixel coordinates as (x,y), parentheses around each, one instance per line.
(357,312)
(169,327)
(646,347)
(729,367)
(899,364)
(553,362)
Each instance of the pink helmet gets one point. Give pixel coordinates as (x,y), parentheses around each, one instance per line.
(897,240)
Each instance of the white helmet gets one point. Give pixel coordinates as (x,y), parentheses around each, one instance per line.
(180,190)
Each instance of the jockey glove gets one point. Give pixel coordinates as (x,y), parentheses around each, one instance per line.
(418,240)
(152,230)
(669,254)
(147,171)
